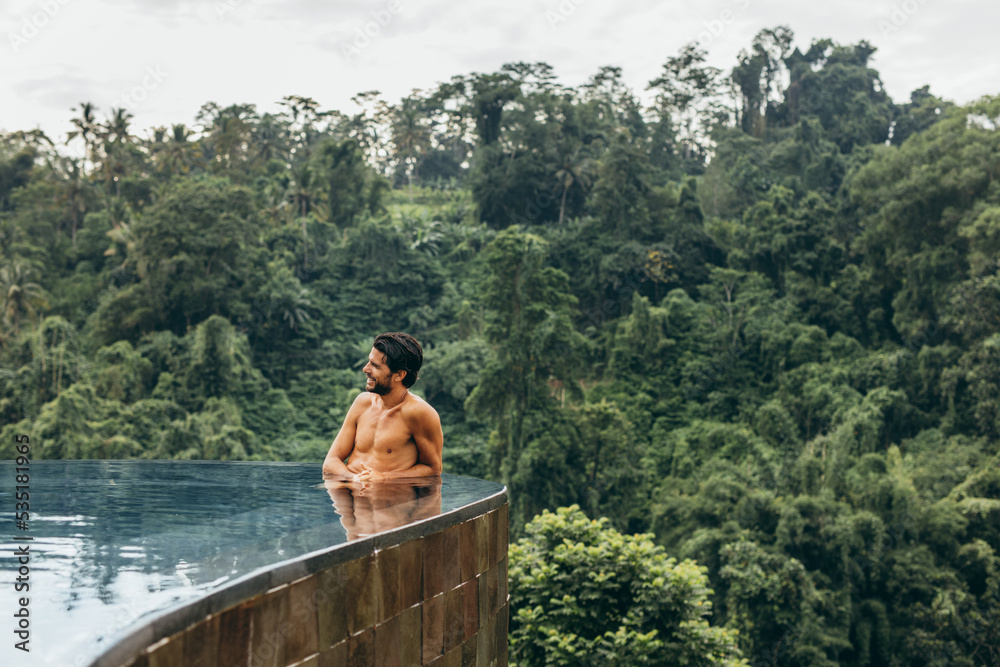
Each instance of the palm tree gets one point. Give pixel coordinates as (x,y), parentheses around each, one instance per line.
(87,127)
(293,310)
(410,135)
(303,193)
(21,296)
(302,188)
(116,138)
(123,233)
(302,136)
(426,235)
(74,192)
(368,128)
(179,152)
(575,168)
(270,138)
(118,125)
(156,144)
(274,200)
(228,132)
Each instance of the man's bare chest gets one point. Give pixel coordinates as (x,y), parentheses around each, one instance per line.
(382,430)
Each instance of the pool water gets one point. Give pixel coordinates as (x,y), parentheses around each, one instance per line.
(115,541)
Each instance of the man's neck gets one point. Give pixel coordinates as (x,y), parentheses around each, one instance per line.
(394,397)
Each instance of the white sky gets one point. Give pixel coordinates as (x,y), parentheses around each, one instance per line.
(55,54)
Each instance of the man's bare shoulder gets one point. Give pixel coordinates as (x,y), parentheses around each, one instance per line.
(361,402)
(417,408)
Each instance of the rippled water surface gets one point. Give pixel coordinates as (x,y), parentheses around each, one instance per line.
(114,541)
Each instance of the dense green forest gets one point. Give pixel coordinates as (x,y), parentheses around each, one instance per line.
(757,318)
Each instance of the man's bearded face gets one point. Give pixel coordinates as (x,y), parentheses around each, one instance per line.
(378,374)
(378,386)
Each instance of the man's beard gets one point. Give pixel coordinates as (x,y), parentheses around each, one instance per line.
(380,388)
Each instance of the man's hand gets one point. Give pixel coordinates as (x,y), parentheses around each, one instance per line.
(368,475)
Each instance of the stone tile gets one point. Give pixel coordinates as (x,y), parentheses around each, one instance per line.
(267,632)
(433,628)
(411,573)
(503,581)
(303,637)
(168,652)
(482,544)
(411,636)
(362,591)
(332,601)
(452,566)
(493,537)
(470,608)
(469,652)
(433,564)
(498,640)
(336,656)
(361,649)
(467,549)
(388,567)
(492,590)
(483,599)
(201,643)
(453,658)
(388,643)
(504,525)
(493,639)
(483,647)
(454,624)
(234,635)
(504,615)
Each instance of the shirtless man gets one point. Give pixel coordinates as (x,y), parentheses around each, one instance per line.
(388,433)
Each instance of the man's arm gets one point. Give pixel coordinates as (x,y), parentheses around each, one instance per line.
(343,444)
(425,425)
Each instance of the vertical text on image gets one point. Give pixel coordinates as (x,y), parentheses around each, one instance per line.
(22,549)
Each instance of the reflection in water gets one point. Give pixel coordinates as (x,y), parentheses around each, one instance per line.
(116,541)
(366,508)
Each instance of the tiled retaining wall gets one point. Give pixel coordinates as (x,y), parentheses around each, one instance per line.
(437,599)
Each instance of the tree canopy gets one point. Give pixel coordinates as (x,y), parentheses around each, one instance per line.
(750,330)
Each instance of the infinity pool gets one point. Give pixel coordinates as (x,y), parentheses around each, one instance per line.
(116,543)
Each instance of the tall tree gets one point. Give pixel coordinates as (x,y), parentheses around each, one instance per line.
(87,129)
(688,101)
(530,329)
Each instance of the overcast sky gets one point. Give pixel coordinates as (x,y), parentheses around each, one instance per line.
(165,58)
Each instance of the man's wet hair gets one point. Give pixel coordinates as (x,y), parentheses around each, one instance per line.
(402,353)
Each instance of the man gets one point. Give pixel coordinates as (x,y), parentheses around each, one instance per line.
(388,433)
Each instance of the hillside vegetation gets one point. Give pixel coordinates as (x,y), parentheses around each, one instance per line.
(758,319)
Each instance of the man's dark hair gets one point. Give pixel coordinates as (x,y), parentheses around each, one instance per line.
(402,353)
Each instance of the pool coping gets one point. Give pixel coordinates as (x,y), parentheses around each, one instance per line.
(173,619)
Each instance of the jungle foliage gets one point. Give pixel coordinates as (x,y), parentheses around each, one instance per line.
(757,319)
